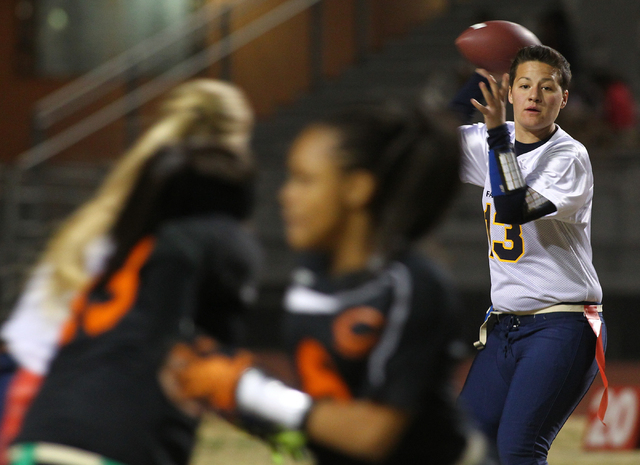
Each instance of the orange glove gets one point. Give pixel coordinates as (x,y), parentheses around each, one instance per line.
(212,378)
(231,385)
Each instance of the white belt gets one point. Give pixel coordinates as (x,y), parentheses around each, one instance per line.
(485,327)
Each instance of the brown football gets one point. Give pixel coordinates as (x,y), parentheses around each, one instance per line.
(492,45)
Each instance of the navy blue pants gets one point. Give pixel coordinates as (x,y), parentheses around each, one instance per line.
(525,383)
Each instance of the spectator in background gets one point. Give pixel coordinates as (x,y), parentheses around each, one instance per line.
(202,109)
(619,107)
(605,115)
(556,31)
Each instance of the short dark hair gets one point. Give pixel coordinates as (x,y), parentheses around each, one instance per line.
(543,54)
(414,159)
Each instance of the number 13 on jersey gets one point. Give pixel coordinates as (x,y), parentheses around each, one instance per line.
(512,247)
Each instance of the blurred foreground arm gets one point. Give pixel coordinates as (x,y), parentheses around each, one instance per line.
(359,428)
(230,384)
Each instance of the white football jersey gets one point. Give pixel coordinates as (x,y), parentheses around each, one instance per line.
(547,261)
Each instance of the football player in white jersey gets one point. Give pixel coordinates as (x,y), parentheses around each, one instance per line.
(544,329)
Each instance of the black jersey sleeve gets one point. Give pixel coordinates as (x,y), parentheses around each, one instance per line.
(199,277)
(229,282)
(412,364)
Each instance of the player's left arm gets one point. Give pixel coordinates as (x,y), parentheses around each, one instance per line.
(515,202)
(230,383)
(360,428)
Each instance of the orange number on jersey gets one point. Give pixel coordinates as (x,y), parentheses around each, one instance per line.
(98,317)
(317,372)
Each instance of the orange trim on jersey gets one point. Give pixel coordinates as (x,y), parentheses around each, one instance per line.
(98,317)
(348,342)
(318,374)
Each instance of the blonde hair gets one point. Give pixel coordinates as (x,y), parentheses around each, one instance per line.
(202,109)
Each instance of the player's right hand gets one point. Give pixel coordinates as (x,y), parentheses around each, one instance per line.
(495,96)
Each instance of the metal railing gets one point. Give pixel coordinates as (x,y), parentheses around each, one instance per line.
(130,68)
(97,83)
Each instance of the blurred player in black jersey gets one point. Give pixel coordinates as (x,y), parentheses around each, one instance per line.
(182,263)
(199,109)
(369,320)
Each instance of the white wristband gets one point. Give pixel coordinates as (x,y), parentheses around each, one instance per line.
(270,399)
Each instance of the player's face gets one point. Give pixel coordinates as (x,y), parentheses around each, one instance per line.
(537,98)
(312,200)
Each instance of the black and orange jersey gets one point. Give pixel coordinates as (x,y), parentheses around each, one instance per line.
(388,336)
(102,393)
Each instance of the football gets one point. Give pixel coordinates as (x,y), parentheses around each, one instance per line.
(492,45)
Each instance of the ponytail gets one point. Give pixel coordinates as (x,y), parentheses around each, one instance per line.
(415,161)
(198,110)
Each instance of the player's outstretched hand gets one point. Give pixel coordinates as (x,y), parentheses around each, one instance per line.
(495,96)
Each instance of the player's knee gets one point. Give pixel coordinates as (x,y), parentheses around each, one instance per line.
(516,452)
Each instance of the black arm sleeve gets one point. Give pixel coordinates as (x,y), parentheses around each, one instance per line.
(518,205)
(522,207)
